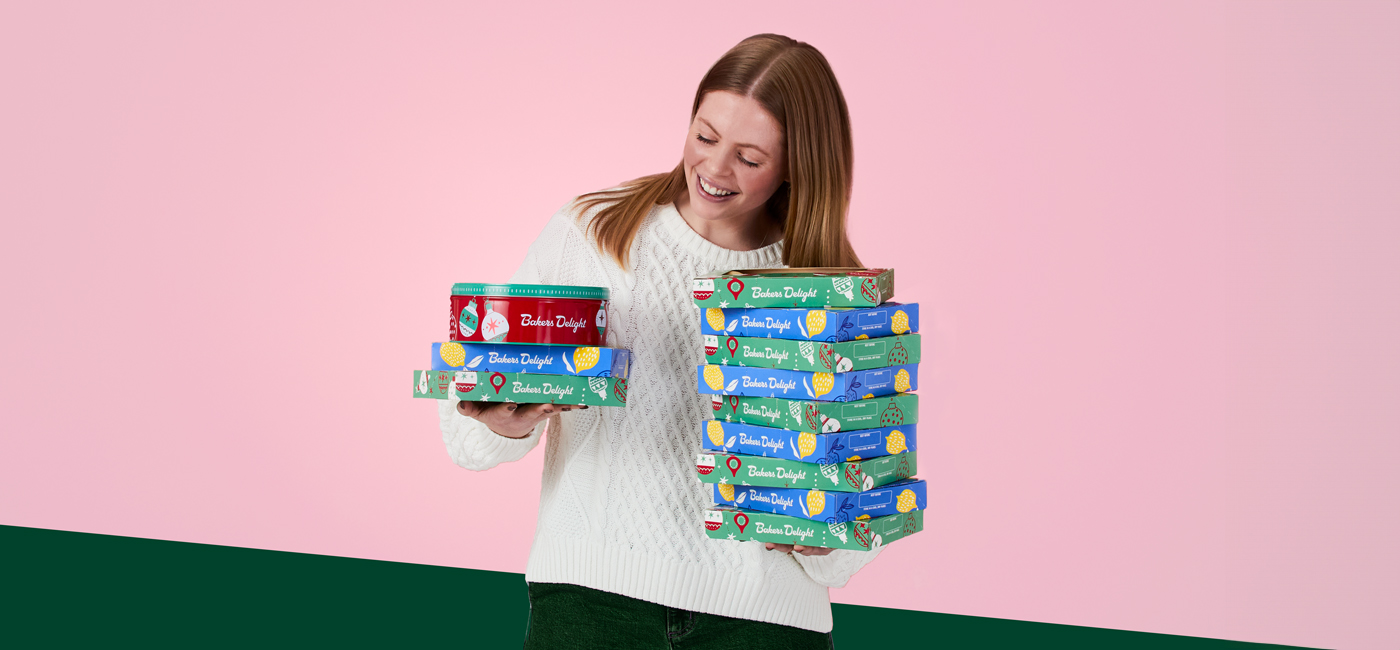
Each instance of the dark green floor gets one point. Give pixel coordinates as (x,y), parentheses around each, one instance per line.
(60,589)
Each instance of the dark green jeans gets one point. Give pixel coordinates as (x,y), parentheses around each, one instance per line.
(569,616)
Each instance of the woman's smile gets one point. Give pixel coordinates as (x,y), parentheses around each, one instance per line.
(712,191)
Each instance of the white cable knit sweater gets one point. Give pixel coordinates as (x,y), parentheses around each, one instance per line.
(621,509)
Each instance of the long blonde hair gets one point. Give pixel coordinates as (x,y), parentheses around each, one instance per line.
(794,83)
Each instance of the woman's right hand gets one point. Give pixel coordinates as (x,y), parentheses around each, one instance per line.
(510,419)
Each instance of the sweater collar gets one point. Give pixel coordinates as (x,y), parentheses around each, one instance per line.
(719,259)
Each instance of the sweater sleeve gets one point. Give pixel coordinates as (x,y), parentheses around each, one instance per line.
(835,568)
(470,443)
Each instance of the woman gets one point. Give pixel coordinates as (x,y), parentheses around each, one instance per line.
(620,558)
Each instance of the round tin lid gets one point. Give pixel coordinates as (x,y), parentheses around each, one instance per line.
(529,291)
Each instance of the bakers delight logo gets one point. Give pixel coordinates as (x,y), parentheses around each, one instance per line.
(787,292)
(561,321)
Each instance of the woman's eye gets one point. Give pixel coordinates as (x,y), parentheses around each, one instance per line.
(746,162)
(703,139)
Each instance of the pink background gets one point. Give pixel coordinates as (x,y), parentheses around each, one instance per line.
(1156,245)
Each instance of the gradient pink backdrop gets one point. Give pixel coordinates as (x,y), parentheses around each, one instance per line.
(1157,245)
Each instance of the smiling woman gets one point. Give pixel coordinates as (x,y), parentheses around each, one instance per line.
(770,137)
(620,558)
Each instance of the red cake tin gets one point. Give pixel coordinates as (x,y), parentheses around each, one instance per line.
(546,314)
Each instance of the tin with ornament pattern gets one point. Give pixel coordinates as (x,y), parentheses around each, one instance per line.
(544,314)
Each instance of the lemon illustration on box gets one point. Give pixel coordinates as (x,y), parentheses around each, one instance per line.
(585,358)
(816,501)
(466,323)
(715,431)
(906,501)
(714,377)
(453,354)
(901,381)
(806,444)
(894,443)
(715,317)
(822,383)
(816,322)
(899,323)
(726,491)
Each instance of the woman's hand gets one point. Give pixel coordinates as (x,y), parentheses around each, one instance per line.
(509,419)
(809,551)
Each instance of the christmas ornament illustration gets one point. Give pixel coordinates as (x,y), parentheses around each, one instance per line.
(901,380)
(466,323)
(812,417)
(453,353)
(620,390)
(464,382)
(895,443)
(902,470)
(715,432)
(906,501)
(423,383)
(714,377)
(585,358)
(599,386)
(898,356)
(711,345)
(830,425)
(705,463)
(444,379)
(805,348)
(899,323)
(842,363)
(830,471)
(837,528)
(717,402)
(713,520)
(602,319)
(493,325)
(702,289)
(714,317)
(844,286)
(891,416)
(870,291)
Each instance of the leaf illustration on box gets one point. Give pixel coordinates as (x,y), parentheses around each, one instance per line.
(730,442)
(732,385)
(567,365)
(742,495)
(732,325)
(476,361)
(808,387)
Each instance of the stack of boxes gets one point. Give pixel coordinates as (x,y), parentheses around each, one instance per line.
(527,343)
(814,438)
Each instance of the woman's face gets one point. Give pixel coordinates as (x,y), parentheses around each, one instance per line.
(734,158)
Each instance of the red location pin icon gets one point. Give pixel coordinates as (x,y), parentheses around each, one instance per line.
(497,381)
(733,345)
(734,464)
(734,286)
(734,403)
(741,520)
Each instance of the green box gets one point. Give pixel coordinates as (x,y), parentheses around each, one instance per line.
(814,356)
(802,287)
(859,535)
(818,417)
(761,471)
(520,387)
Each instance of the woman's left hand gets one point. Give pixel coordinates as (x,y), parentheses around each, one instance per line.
(798,548)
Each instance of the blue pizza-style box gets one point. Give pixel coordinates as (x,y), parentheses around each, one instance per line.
(576,360)
(800,384)
(806,446)
(831,507)
(831,325)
